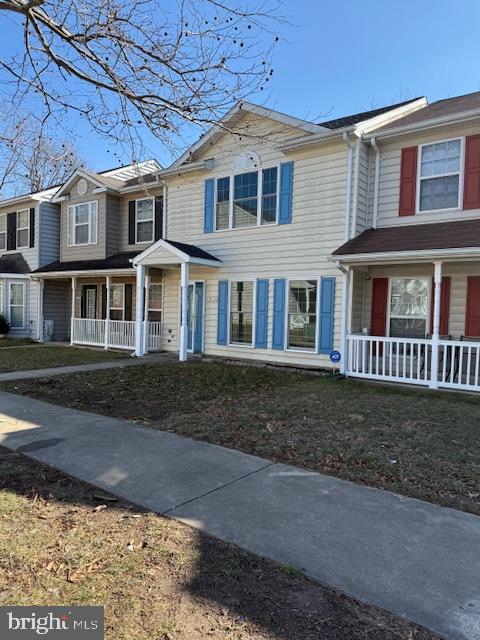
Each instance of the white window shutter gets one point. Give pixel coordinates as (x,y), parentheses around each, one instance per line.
(70,231)
(93,222)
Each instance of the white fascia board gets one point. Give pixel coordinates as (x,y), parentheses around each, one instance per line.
(184,257)
(85,272)
(390,116)
(455,118)
(468,253)
(15,276)
(76,174)
(320,138)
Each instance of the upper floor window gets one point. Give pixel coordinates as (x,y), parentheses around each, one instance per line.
(144,220)
(23,229)
(440,168)
(247,199)
(3,232)
(82,223)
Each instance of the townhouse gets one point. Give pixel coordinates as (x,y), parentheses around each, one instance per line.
(281,240)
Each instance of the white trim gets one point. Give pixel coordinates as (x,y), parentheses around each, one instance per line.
(82,173)
(72,209)
(27,228)
(184,257)
(243,345)
(69,274)
(467,253)
(317,279)
(152,199)
(460,173)
(24,308)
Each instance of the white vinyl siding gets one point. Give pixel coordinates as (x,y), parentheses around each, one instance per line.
(440,173)
(82,223)
(23,229)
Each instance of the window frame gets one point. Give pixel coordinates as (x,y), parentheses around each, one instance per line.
(259,223)
(243,345)
(152,199)
(317,314)
(75,225)
(149,309)
(429,305)
(122,308)
(4,233)
(460,172)
(27,228)
(2,299)
(24,304)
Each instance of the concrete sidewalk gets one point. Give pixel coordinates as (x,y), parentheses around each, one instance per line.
(153,358)
(415,559)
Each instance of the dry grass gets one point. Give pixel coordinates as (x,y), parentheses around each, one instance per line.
(63,542)
(417,443)
(41,357)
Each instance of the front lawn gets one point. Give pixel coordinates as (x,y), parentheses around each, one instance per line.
(15,342)
(63,542)
(43,357)
(414,442)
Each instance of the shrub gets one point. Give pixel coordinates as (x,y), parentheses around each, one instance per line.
(4,326)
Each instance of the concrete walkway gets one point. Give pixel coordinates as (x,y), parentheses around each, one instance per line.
(152,358)
(415,559)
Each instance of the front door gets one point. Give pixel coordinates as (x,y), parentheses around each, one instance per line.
(89,301)
(195,317)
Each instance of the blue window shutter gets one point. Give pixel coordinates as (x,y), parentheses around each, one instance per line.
(286,192)
(222,319)
(278,338)
(209,200)
(327,306)
(261,320)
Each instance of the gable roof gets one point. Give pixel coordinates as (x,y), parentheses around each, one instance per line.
(185,253)
(351,120)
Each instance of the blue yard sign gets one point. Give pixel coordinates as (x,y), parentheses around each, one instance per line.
(335,356)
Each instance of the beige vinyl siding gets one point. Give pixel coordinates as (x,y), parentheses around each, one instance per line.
(458,273)
(360,221)
(86,251)
(389,185)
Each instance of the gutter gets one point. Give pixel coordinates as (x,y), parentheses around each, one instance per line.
(398,256)
(348,201)
(373,142)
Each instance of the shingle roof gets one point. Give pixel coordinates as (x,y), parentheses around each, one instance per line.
(460,234)
(117,261)
(438,109)
(348,121)
(191,250)
(13,263)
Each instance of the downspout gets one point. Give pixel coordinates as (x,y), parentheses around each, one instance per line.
(356,176)
(348,201)
(373,142)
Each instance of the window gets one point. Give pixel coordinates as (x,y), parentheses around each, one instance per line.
(82,223)
(440,168)
(409,307)
(155,302)
(3,232)
(302,314)
(241,312)
(252,201)
(223,203)
(117,297)
(17,306)
(2,312)
(23,229)
(144,220)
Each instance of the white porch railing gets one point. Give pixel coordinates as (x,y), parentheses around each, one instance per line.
(154,329)
(409,360)
(88,331)
(121,333)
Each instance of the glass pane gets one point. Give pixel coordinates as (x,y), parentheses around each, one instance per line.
(16,316)
(269,209)
(116,314)
(302,329)
(155,316)
(3,240)
(22,238)
(116,296)
(246,185)
(409,297)
(144,209)
(302,296)
(3,223)
(223,215)
(269,181)
(439,193)
(23,219)
(245,199)
(81,213)
(442,157)
(155,296)
(145,231)
(241,312)
(16,294)
(408,328)
(81,234)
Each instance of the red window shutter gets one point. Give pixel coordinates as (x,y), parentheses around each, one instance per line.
(444,306)
(408,181)
(471,186)
(378,319)
(472,321)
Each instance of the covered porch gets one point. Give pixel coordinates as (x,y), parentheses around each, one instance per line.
(412,316)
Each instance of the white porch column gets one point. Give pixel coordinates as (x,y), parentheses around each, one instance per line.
(140,279)
(145,311)
(108,283)
(184,277)
(436,324)
(74,295)
(345,318)
(40,310)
